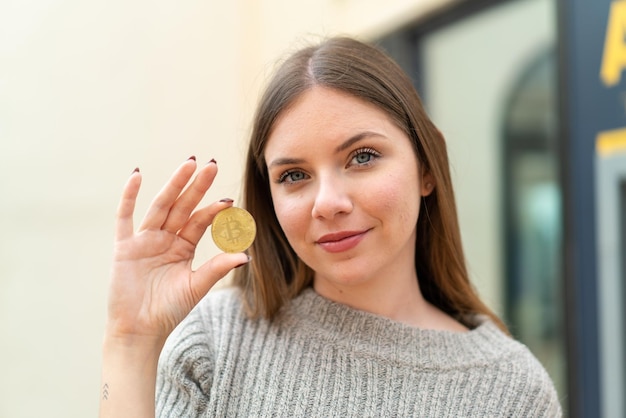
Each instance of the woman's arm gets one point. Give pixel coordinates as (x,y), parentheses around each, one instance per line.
(128,377)
(153,286)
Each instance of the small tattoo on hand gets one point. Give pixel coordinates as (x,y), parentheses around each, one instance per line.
(105,391)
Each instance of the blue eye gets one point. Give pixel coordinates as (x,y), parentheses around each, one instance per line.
(291,176)
(364,156)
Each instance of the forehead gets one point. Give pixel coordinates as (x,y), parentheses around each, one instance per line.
(323,116)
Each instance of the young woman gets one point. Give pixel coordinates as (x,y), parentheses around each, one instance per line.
(354,299)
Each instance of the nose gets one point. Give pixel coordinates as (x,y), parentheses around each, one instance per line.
(332,198)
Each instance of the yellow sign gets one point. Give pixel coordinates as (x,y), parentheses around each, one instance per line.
(614,55)
(611,142)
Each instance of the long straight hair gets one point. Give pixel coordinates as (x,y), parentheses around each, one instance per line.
(276,274)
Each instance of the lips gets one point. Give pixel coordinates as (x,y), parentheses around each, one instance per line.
(341,241)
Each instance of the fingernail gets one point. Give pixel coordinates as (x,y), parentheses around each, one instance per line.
(136,170)
(212,161)
(193,157)
(243,264)
(226,200)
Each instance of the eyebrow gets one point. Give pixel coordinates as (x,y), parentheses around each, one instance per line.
(341,147)
(286,161)
(356,138)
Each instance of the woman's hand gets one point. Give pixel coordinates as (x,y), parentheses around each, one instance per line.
(153,286)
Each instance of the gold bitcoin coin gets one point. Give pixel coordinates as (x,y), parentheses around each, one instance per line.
(233,230)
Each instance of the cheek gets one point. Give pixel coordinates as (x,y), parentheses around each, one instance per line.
(291,215)
(405,208)
(400,196)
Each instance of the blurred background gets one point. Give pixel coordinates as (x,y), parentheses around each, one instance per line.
(91,90)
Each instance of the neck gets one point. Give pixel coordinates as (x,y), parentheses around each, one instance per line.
(399,299)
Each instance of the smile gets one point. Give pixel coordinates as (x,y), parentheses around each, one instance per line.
(341,241)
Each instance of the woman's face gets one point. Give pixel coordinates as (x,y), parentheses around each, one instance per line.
(346,188)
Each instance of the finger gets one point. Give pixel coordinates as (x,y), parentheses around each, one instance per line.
(213,270)
(196,226)
(162,203)
(189,199)
(126,207)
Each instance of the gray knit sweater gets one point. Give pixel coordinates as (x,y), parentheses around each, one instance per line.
(324,359)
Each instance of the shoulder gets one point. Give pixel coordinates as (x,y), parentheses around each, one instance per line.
(518,381)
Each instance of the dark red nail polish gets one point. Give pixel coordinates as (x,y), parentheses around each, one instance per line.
(193,157)
(243,264)
(136,170)
(212,161)
(226,200)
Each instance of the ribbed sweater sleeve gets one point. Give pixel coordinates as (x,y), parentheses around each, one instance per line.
(186,368)
(323,359)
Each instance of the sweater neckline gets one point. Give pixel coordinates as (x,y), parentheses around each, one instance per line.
(394,341)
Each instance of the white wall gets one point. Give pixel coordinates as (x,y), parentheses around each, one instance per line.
(89,91)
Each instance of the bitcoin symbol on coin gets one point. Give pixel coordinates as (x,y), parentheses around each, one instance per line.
(233,230)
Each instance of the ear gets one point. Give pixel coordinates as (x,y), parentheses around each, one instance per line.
(427,183)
